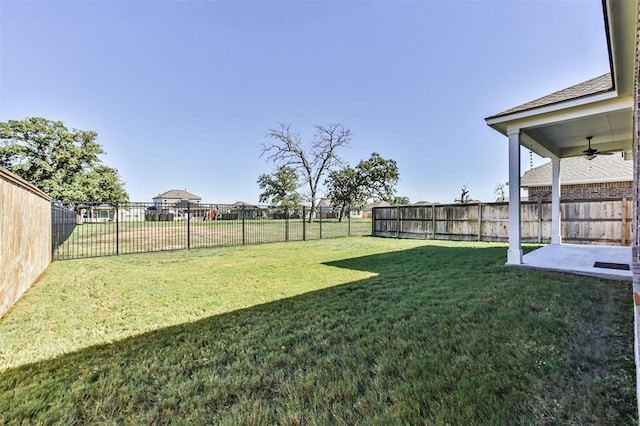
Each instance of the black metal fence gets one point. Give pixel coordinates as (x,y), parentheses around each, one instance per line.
(63,223)
(105,229)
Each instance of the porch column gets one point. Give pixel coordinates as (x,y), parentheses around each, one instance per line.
(514,255)
(556,235)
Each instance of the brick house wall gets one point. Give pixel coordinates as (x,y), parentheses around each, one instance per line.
(635,243)
(584,191)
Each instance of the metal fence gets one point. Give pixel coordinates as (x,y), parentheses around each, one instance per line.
(105,229)
(63,222)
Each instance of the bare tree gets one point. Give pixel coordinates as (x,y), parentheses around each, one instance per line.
(500,192)
(312,160)
(464,196)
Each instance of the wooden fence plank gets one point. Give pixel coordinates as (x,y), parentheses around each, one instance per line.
(593,221)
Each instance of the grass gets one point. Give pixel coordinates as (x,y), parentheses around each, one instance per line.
(344,331)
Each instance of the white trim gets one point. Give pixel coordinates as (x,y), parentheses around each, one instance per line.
(551,108)
(514,254)
(613,104)
(556,233)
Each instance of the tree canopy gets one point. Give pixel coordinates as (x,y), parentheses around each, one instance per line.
(312,160)
(280,187)
(372,178)
(63,163)
(400,201)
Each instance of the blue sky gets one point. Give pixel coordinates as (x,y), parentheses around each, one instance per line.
(182,93)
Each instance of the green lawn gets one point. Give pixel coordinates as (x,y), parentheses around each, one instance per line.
(343,331)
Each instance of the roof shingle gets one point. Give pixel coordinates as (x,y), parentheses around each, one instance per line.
(577,170)
(591,87)
(178,194)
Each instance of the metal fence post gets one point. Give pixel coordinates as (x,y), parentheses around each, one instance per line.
(304,223)
(189,225)
(117,228)
(243,229)
(349,222)
(320,213)
(373,221)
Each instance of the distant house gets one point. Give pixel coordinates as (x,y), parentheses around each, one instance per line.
(101,213)
(368,209)
(325,210)
(175,196)
(606,176)
(173,205)
(243,210)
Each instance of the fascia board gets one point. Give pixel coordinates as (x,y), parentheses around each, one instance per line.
(550,109)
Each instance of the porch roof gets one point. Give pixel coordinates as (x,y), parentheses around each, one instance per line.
(590,87)
(557,125)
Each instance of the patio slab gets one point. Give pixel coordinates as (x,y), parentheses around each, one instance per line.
(580,259)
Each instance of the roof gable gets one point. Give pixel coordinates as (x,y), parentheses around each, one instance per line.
(177,194)
(579,170)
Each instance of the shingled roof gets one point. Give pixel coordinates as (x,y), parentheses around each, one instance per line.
(177,194)
(579,170)
(591,87)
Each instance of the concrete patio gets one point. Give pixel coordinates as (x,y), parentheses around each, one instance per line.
(580,260)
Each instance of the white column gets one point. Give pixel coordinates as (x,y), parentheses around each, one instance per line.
(514,255)
(556,235)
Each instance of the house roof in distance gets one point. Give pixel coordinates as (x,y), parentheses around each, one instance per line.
(378,203)
(178,194)
(579,170)
(241,204)
(590,87)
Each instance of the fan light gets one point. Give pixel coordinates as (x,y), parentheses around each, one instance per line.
(590,153)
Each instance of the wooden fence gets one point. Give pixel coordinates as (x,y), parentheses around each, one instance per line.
(25,237)
(594,221)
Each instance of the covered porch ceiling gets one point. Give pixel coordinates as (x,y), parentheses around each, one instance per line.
(610,130)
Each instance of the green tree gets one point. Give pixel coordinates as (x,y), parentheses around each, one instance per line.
(104,184)
(379,176)
(312,160)
(345,189)
(375,177)
(63,163)
(280,187)
(400,201)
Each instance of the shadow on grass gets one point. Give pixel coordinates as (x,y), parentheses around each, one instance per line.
(440,335)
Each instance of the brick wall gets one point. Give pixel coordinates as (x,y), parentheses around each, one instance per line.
(584,191)
(635,244)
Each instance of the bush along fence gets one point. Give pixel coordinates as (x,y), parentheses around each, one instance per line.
(593,221)
(105,229)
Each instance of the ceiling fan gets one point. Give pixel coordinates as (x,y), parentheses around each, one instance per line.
(591,153)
